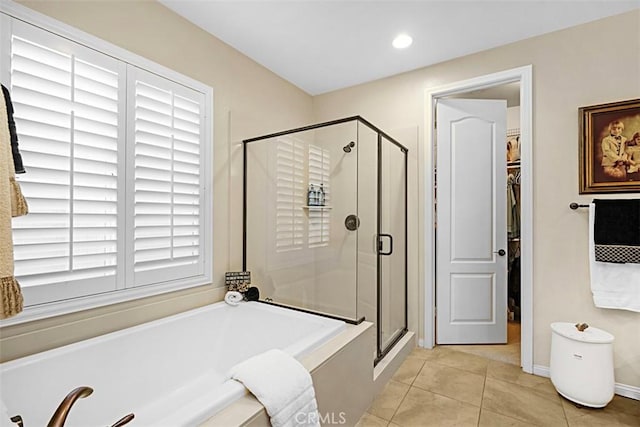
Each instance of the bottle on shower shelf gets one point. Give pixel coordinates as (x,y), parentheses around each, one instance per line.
(321,196)
(311,196)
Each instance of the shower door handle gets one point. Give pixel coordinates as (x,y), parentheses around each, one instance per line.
(380,251)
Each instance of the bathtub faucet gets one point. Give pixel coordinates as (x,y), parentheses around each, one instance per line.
(60,416)
(124,420)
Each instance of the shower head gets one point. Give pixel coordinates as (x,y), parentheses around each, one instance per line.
(347,148)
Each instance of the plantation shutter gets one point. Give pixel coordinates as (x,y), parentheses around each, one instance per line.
(318,231)
(66,103)
(290,194)
(167,182)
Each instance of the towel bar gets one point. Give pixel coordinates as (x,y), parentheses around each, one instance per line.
(575,206)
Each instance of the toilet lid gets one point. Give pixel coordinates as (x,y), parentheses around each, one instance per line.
(591,334)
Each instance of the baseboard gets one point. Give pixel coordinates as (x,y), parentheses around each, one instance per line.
(628,391)
(541,371)
(620,389)
(422,344)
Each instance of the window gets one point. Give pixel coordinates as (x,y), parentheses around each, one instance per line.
(319,162)
(67,114)
(290,194)
(167,184)
(298,225)
(117,162)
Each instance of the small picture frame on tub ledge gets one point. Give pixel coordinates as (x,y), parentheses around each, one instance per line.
(237,280)
(610,148)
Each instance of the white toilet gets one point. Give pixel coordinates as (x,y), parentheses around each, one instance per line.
(582,364)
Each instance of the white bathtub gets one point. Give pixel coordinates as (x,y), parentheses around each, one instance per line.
(170,372)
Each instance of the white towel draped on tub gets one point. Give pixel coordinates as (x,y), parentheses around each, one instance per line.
(282,385)
(613,285)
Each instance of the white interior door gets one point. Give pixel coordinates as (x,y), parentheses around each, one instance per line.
(471,234)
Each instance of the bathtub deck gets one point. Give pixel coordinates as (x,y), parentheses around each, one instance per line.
(342,372)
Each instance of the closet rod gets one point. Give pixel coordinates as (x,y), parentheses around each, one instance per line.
(575,206)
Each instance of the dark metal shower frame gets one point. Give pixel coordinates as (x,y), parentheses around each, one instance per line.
(380,353)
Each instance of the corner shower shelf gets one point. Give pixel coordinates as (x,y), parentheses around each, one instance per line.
(317,208)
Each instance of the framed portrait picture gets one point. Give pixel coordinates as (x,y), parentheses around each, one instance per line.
(610,148)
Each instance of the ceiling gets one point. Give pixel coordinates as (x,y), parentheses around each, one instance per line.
(325,45)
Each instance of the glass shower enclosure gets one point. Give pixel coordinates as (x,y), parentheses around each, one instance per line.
(325,223)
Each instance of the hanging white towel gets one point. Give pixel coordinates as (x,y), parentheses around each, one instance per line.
(613,285)
(282,385)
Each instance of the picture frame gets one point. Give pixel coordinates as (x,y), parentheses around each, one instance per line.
(610,148)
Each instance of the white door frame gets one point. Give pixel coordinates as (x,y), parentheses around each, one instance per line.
(523,75)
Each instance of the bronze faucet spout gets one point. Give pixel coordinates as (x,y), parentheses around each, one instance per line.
(124,420)
(60,416)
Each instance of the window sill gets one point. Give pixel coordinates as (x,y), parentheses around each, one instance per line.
(58,308)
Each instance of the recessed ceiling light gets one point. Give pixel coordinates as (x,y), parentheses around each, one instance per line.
(402,41)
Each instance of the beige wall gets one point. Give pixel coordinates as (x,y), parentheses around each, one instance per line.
(571,68)
(249,101)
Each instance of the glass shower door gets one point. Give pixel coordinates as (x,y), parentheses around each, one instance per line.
(391,243)
(301,222)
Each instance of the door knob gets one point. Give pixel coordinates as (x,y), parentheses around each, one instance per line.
(501,252)
(352,222)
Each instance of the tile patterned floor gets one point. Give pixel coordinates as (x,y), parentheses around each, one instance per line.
(509,353)
(445,387)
